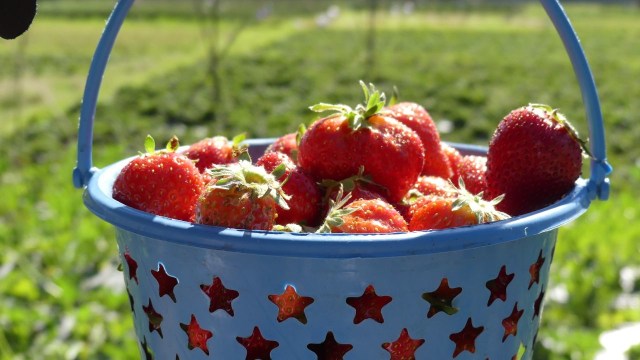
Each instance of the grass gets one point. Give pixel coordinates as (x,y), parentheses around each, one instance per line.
(62,295)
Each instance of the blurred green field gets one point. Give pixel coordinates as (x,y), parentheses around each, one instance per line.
(62,296)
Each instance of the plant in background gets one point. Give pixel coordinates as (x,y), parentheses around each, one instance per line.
(210,16)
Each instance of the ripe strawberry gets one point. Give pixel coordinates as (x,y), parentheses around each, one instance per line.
(435,212)
(431,185)
(335,147)
(472,169)
(363,216)
(418,119)
(287,144)
(214,151)
(163,183)
(304,205)
(534,159)
(425,186)
(454,157)
(241,195)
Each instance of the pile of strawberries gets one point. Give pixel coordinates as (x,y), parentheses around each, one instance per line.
(369,169)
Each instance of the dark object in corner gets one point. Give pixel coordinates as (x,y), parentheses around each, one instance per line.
(16,17)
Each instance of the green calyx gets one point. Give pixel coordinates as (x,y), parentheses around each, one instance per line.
(150,145)
(374,102)
(245,175)
(483,210)
(349,184)
(547,111)
(336,212)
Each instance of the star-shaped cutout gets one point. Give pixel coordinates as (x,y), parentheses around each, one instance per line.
(498,286)
(166,282)
(291,305)
(465,340)
(510,323)
(538,304)
(219,296)
(442,299)
(148,354)
(534,270)
(403,348)
(197,336)
(369,305)
(330,349)
(131,301)
(155,319)
(257,346)
(132,265)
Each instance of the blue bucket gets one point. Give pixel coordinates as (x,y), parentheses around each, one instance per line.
(209,292)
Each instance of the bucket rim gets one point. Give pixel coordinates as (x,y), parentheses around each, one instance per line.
(97,198)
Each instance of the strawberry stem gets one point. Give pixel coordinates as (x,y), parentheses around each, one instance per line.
(336,212)
(374,102)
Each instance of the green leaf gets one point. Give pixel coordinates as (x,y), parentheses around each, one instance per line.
(243,155)
(281,200)
(324,107)
(395,96)
(238,139)
(302,129)
(279,171)
(149,145)
(173,144)
(365,89)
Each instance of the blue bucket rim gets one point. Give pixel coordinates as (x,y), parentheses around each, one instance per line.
(98,199)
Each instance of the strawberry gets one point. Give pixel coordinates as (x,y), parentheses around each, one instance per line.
(335,147)
(287,144)
(213,151)
(435,212)
(454,157)
(362,216)
(241,195)
(418,119)
(304,205)
(163,182)
(471,169)
(425,186)
(431,185)
(534,159)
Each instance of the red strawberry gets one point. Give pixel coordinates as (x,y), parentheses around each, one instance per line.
(363,216)
(242,196)
(431,185)
(304,205)
(418,119)
(454,157)
(287,144)
(163,183)
(534,159)
(471,169)
(337,146)
(435,212)
(425,186)
(214,151)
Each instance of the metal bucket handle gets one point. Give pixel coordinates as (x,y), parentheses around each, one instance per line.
(597,187)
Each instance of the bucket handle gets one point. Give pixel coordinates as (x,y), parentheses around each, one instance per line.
(598,185)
